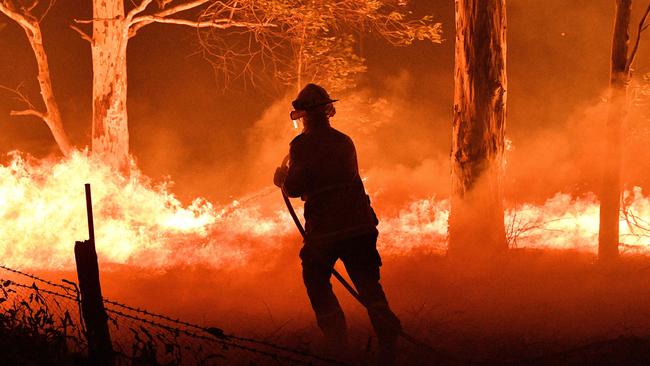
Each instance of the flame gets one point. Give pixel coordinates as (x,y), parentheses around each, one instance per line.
(136,222)
(143,224)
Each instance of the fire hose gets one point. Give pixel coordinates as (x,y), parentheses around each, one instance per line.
(348,286)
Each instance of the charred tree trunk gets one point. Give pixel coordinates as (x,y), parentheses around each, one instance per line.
(611,185)
(477,156)
(110,134)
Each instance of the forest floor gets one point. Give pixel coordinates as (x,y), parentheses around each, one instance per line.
(533,307)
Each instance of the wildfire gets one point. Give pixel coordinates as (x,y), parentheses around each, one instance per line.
(136,222)
(139,223)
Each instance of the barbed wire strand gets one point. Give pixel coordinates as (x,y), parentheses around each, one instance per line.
(166,327)
(212,339)
(220,333)
(215,333)
(34,277)
(34,287)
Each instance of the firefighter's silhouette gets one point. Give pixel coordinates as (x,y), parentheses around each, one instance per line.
(339,221)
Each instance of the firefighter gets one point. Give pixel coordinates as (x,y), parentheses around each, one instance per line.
(339,221)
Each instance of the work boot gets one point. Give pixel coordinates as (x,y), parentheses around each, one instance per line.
(387,327)
(334,330)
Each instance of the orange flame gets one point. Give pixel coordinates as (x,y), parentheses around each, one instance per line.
(139,223)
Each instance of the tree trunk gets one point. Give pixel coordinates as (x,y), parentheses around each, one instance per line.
(476,224)
(52,113)
(110,134)
(300,58)
(611,184)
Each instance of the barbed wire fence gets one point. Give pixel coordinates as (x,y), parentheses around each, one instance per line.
(41,312)
(52,311)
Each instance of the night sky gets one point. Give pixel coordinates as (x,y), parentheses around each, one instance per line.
(185,125)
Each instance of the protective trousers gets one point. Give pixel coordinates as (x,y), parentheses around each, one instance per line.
(362,262)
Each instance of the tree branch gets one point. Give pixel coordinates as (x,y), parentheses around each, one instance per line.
(204,24)
(33,6)
(138,9)
(135,23)
(29,112)
(225,24)
(181,7)
(82,33)
(19,18)
(50,4)
(642,27)
(19,95)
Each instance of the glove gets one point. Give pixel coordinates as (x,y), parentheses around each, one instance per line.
(280,176)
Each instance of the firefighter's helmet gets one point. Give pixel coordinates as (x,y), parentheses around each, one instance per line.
(310,97)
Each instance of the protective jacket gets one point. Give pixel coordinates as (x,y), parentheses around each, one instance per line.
(323,171)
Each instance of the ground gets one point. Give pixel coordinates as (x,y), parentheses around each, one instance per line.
(530,307)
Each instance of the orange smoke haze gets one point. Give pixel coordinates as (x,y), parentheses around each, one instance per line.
(200,213)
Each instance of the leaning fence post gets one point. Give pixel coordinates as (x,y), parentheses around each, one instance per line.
(100,351)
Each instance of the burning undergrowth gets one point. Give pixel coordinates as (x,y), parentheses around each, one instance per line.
(135,218)
(141,223)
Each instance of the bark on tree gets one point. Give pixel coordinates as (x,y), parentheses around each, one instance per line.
(608,235)
(110,134)
(52,115)
(112,29)
(476,224)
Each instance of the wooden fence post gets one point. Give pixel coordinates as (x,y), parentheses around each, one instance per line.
(100,351)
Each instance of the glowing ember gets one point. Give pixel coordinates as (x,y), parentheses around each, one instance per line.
(138,223)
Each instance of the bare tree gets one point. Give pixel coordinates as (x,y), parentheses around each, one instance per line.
(476,221)
(323,37)
(315,37)
(112,27)
(266,27)
(610,194)
(25,15)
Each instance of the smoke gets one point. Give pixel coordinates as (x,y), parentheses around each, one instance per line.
(390,135)
(402,159)
(231,259)
(564,158)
